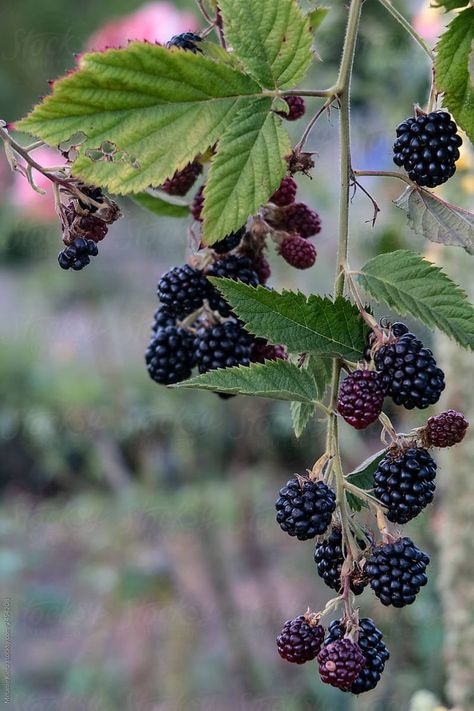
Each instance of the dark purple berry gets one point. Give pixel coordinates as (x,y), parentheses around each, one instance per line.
(446,429)
(397,572)
(231,267)
(296,106)
(286,193)
(300,641)
(169,357)
(361,397)
(222,346)
(302,220)
(304,509)
(183,289)
(198,204)
(183,180)
(262,351)
(329,558)
(298,252)
(340,663)
(230,242)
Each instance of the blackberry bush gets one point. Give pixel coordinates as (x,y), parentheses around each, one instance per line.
(305,508)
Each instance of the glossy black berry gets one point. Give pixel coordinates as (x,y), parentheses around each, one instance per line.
(329,558)
(446,429)
(222,346)
(340,663)
(183,180)
(163,317)
(230,242)
(361,397)
(409,371)
(231,267)
(300,641)
(186,41)
(371,645)
(305,509)
(77,255)
(169,357)
(427,146)
(183,289)
(397,572)
(405,483)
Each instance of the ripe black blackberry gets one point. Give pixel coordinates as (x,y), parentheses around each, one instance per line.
(183,289)
(302,220)
(361,397)
(340,663)
(300,641)
(445,430)
(427,146)
(297,108)
(169,357)
(183,180)
(230,242)
(329,558)
(232,267)
(186,41)
(372,647)
(298,252)
(305,508)
(78,254)
(286,193)
(222,346)
(405,483)
(409,371)
(163,317)
(397,572)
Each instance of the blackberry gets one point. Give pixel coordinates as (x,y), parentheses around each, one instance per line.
(329,558)
(372,647)
(183,289)
(409,371)
(445,430)
(298,252)
(340,663)
(186,41)
(77,255)
(222,346)
(427,146)
(286,193)
(163,317)
(296,107)
(302,220)
(263,269)
(300,641)
(232,267)
(305,509)
(169,357)
(397,572)
(183,180)
(361,397)
(262,351)
(405,483)
(229,242)
(198,204)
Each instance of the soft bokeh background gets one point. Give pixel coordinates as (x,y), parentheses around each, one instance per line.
(138,546)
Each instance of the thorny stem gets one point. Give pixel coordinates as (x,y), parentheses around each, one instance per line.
(300,145)
(408,27)
(384,174)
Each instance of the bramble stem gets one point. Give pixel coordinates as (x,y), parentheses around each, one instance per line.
(407,26)
(384,174)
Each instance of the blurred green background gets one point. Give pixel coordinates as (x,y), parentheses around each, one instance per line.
(138,546)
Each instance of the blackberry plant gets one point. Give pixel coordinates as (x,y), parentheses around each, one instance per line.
(219,315)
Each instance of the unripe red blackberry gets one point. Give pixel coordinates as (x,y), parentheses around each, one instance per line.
(302,220)
(77,255)
(361,397)
(230,242)
(297,108)
(405,483)
(186,41)
(300,641)
(298,252)
(340,663)
(445,430)
(371,645)
(397,572)
(232,267)
(409,371)
(183,180)
(304,509)
(262,351)
(427,146)
(169,357)
(183,289)
(198,204)
(222,346)
(329,559)
(286,193)
(263,269)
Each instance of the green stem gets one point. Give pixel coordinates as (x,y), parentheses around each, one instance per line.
(407,26)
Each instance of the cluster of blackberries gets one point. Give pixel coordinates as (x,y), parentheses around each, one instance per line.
(427,146)
(85,222)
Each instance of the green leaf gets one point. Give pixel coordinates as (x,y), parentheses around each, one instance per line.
(301,413)
(451,4)
(452,69)
(161,207)
(278,379)
(316,17)
(313,325)
(412,285)
(363,477)
(247,170)
(159,107)
(437,220)
(272,39)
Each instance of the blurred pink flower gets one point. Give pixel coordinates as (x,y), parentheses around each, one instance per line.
(154,22)
(27,201)
(428,22)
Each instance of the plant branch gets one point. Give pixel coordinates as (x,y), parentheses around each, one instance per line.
(301,143)
(383,174)
(407,26)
